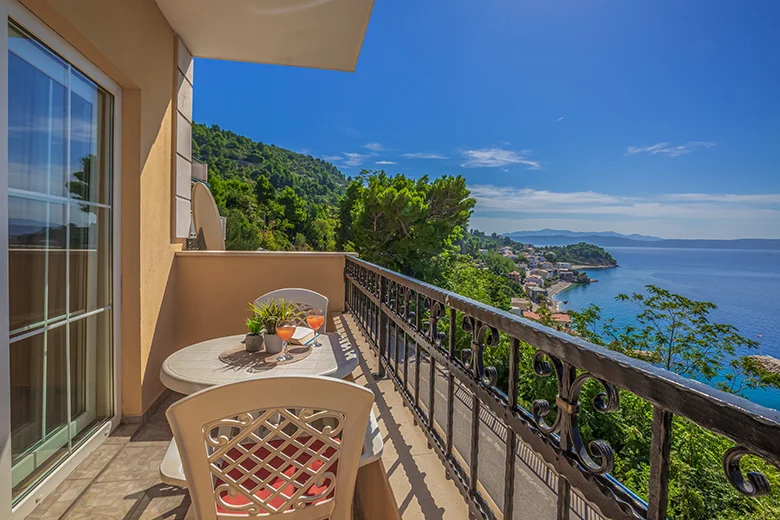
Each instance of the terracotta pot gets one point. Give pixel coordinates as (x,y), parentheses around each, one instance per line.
(273,343)
(254,342)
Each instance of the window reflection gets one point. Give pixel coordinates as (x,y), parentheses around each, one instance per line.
(36,262)
(90,248)
(60,258)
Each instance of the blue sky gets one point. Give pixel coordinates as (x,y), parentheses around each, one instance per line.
(657,117)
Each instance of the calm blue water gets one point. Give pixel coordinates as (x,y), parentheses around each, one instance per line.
(744,284)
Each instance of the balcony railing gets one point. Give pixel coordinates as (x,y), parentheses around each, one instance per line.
(408,322)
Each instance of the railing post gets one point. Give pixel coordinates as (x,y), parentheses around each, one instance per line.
(383,326)
(346,287)
(660,451)
(568,376)
(451,382)
(511,437)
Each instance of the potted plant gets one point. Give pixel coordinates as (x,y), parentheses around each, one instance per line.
(269,314)
(254,339)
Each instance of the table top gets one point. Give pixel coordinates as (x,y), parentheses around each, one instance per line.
(198,366)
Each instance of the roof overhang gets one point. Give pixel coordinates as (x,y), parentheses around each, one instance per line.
(324,34)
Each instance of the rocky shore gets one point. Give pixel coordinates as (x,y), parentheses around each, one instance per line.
(769,363)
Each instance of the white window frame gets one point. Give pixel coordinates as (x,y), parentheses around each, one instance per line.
(14,10)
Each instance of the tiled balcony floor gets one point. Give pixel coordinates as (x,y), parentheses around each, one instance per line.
(120,480)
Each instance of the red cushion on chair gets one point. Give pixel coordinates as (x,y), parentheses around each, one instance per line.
(264,491)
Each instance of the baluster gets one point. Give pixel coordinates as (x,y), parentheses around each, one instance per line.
(451,382)
(347,283)
(383,329)
(395,349)
(437,310)
(432,391)
(568,376)
(511,437)
(417,371)
(660,451)
(474,466)
(406,342)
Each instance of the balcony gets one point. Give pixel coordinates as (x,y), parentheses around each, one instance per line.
(457,445)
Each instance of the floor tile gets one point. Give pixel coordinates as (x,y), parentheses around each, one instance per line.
(163,501)
(97,460)
(60,499)
(135,463)
(109,500)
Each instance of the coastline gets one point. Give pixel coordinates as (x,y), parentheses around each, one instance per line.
(589,267)
(554,290)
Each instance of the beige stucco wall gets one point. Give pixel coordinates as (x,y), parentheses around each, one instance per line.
(168,299)
(132,43)
(214,288)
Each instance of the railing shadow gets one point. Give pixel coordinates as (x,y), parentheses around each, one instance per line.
(419,488)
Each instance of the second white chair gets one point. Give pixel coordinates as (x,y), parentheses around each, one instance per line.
(301,297)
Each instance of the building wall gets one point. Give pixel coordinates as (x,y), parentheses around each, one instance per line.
(132,42)
(214,288)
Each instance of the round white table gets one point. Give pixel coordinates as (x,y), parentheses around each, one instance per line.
(198,366)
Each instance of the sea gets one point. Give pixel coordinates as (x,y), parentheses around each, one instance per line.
(744,284)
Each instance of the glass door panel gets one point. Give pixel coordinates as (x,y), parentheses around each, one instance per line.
(90,249)
(60,257)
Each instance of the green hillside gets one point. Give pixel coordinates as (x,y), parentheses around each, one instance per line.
(274,198)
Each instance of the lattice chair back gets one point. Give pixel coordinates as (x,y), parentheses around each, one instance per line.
(277,447)
(305,298)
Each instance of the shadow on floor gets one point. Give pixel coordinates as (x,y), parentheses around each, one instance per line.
(417,482)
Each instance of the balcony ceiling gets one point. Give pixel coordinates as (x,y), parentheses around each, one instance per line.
(324,34)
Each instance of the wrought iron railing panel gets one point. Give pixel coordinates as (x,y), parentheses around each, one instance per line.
(394,311)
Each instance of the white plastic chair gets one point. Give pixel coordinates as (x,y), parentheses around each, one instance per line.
(299,296)
(285,446)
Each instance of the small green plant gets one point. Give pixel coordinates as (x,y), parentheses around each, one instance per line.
(270,313)
(254,324)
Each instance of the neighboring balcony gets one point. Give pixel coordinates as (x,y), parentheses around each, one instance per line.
(456,445)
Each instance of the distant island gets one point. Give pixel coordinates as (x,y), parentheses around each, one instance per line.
(549,237)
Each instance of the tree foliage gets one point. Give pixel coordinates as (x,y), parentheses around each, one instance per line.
(402,223)
(274,198)
(579,254)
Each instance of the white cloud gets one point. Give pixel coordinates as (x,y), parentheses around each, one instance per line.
(354,159)
(685,215)
(559,119)
(765,198)
(333,158)
(668,149)
(424,155)
(376,147)
(386,162)
(497,157)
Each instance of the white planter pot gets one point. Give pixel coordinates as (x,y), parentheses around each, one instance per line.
(273,343)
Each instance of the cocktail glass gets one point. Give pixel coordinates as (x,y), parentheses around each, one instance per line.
(316,319)
(285,330)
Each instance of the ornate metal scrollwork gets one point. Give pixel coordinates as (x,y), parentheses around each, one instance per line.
(482,336)
(431,325)
(755,485)
(392,290)
(567,401)
(408,314)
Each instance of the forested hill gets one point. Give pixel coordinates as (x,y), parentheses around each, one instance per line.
(230,155)
(274,198)
(580,254)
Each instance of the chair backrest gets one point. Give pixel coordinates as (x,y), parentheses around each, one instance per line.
(303,297)
(286,446)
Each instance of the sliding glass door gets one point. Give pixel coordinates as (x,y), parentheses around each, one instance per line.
(59,256)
